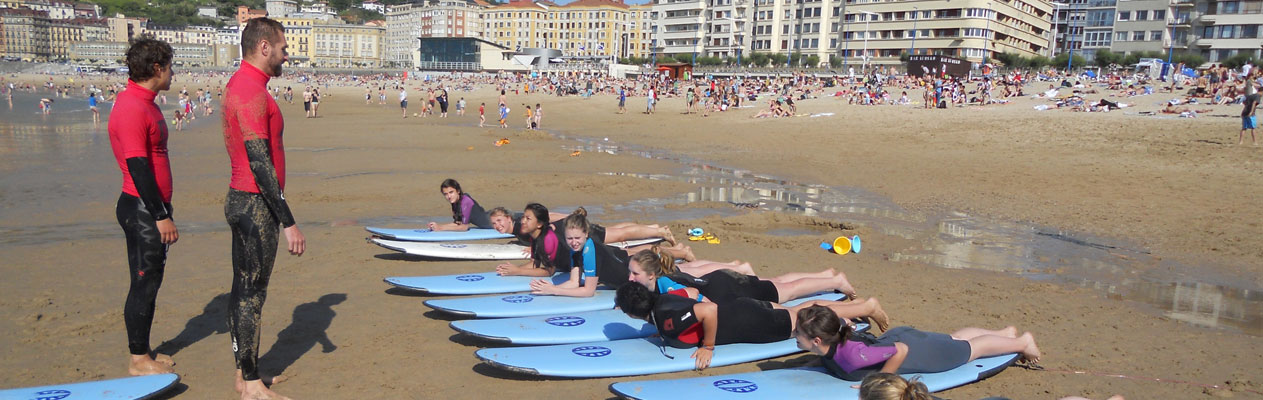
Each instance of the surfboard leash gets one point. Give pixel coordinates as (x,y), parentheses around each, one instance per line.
(1142,378)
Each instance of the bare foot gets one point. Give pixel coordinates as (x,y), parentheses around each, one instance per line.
(1009,331)
(143,365)
(164,359)
(267,381)
(665,232)
(688,253)
(879,315)
(1031,352)
(256,390)
(844,285)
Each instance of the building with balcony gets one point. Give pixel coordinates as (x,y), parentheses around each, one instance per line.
(1226,28)
(298,37)
(1142,25)
(583,28)
(280,8)
(347,46)
(679,27)
(809,27)
(26,33)
(406,23)
(974,30)
(61,33)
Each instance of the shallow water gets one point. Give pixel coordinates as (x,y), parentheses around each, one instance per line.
(67,145)
(1197,294)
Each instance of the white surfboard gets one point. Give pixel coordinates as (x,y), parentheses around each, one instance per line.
(426,235)
(475,251)
(130,388)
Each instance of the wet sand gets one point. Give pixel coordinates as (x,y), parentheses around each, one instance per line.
(1171,186)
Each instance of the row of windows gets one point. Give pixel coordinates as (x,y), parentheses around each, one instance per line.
(1135,36)
(1231,32)
(1142,15)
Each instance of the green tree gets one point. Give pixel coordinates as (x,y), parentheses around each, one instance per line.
(1038,62)
(779,59)
(1060,61)
(1238,60)
(758,59)
(1191,60)
(835,61)
(813,61)
(1103,58)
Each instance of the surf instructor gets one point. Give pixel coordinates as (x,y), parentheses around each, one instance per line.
(255,205)
(138,136)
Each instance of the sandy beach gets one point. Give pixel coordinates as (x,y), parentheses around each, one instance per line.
(1174,200)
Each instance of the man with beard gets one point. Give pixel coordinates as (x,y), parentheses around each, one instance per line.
(255,204)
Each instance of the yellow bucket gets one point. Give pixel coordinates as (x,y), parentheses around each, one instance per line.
(842,245)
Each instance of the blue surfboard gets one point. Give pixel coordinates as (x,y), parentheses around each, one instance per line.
(522,305)
(627,357)
(426,235)
(477,283)
(593,326)
(130,388)
(795,383)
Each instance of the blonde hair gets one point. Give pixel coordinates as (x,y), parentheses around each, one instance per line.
(656,261)
(887,386)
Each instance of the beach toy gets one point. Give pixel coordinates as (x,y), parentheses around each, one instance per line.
(855,244)
(575,153)
(842,245)
(696,232)
(826,246)
(502,142)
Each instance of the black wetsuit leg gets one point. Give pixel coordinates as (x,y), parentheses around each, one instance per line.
(255,232)
(146,261)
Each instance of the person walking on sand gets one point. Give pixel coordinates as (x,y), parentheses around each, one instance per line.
(403,101)
(482,114)
(307,101)
(622,100)
(1249,120)
(255,205)
(138,136)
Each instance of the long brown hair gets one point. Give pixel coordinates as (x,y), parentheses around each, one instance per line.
(821,322)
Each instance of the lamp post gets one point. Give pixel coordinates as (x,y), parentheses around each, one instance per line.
(1052,48)
(986,47)
(1069,45)
(913,49)
(867,19)
(736,36)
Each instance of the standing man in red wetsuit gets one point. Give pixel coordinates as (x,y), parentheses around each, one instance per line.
(255,205)
(138,136)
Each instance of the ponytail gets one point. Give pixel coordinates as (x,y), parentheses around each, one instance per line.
(887,386)
(579,220)
(821,322)
(656,261)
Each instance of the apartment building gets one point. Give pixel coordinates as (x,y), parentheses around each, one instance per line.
(678,26)
(1141,25)
(280,8)
(123,28)
(298,38)
(26,33)
(347,46)
(974,30)
(407,22)
(809,27)
(1225,29)
(61,33)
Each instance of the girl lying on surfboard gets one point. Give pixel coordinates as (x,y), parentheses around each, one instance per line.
(901,350)
(684,322)
(593,262)
(505,222)
(466,211)
(656,270)
(548,248)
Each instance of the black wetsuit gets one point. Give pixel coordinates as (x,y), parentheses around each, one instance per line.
(742,320)
(252,131)
(724,285)
(146,254)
